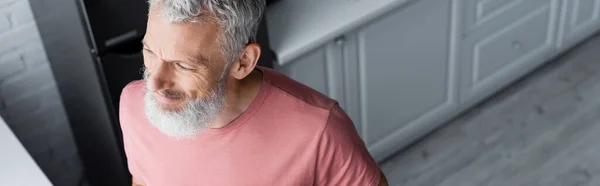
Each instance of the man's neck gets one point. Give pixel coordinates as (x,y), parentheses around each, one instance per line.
(240,95)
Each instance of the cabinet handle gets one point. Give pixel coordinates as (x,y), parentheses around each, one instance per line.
(516,44)
(339,41)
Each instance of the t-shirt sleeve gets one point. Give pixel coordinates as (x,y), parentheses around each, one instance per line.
(342,157)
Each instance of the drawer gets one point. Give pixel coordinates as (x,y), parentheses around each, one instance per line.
(484,16)
(490,59)
(531,35)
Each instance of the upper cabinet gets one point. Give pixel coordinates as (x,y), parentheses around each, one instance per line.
(579,19)
(498,41)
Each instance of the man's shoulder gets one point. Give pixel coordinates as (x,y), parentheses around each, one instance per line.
(131,104)
(298,92)
(132,89)
(301,107)
(132,95)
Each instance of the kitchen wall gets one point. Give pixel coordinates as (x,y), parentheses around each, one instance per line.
(29,99)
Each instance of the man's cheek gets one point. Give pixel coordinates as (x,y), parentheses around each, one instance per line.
(199,85)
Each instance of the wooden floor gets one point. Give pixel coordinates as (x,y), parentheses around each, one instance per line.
(542,131)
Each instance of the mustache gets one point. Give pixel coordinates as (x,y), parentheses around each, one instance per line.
(171,94)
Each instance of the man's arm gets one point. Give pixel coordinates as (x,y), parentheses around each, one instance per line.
(342,157)
(383,181)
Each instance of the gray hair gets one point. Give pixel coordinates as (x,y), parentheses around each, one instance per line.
(239,19)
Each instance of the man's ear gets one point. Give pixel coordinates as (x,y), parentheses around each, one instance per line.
(246,63)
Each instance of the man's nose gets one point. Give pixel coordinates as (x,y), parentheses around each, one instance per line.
(159,77)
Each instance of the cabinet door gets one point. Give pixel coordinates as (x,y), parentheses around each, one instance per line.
(406,82)
(579,19)
(503,45)
(310,69)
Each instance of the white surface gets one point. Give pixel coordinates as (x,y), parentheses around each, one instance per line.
(16,166)
(298,26)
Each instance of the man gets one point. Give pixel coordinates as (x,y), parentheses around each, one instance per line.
(206,115)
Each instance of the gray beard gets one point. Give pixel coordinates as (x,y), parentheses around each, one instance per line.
(190,120)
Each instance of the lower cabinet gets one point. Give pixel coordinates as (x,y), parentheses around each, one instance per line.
(311,69)
(393,76)
(579,19)
(411,70)
(503,45)
(407,82)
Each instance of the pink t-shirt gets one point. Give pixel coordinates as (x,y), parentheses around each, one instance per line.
(290,135)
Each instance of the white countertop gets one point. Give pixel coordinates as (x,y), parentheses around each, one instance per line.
(299,26)
(16,166)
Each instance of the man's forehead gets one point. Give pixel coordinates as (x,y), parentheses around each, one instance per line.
(190,54)
(198,40)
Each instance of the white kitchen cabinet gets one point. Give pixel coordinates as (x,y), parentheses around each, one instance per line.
(500,41)
(349,92)
(407,84)
(405,71)
(579,20)
(392,76)
(310,69)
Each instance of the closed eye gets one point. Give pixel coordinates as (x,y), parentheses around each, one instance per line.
(148,51)
(183,66)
